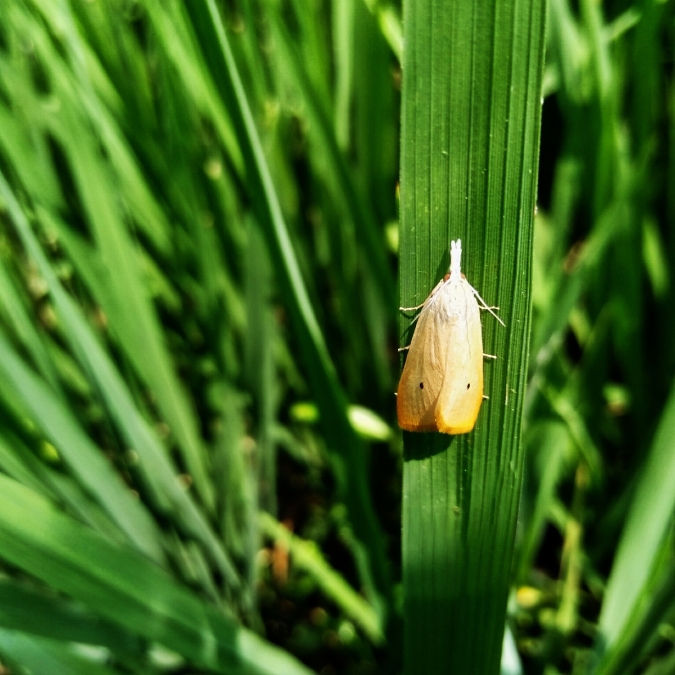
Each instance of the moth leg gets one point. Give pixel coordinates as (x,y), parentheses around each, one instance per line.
(405,349)
(411,309)
(485,306)
(431,295)
(486,398)
(488,356)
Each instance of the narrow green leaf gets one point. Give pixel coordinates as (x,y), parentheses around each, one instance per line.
(127,589)
(153,461)
(319,368)
(23,608)
(308,557)
(646,630)
(471,108)
(649,517)
(41,655)
(85,460)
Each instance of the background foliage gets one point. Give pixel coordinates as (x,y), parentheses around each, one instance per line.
(197,276)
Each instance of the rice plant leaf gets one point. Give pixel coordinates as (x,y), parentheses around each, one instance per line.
(85,460)
(308,557)
(319,368)
(126,589)
(41,655)
(649,518)
(369,239)
(639,638)
(471,107)
(154,464)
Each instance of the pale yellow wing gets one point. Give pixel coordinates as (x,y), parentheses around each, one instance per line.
(424,369)
(461,393)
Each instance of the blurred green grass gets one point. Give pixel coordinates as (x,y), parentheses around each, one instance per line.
(197,283)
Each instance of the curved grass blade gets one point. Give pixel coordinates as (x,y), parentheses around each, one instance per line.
(85,460)
(319,368)
(308,557)
(153,464)
(127,589)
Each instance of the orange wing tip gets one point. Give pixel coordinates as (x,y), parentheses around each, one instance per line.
(442,428)
(409,422)
(437,423)
(458,426)
(456,429)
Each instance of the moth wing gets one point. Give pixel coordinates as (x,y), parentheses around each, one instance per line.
(423,372)
(461,393)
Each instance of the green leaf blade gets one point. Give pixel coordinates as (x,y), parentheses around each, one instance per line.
(470,138)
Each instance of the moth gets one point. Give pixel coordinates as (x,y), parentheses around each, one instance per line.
(441,387)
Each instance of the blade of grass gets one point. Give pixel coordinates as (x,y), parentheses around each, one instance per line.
(648,519)
(85,460)
(126,588)
(153,461)
(390,25)
(308,557)
(122,289)
(42,655)
(471,108)
(24,608)
(320,371)
(646,631)
(259,362)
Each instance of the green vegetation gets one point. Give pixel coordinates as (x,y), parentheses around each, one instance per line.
(471,173)
(200,469)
